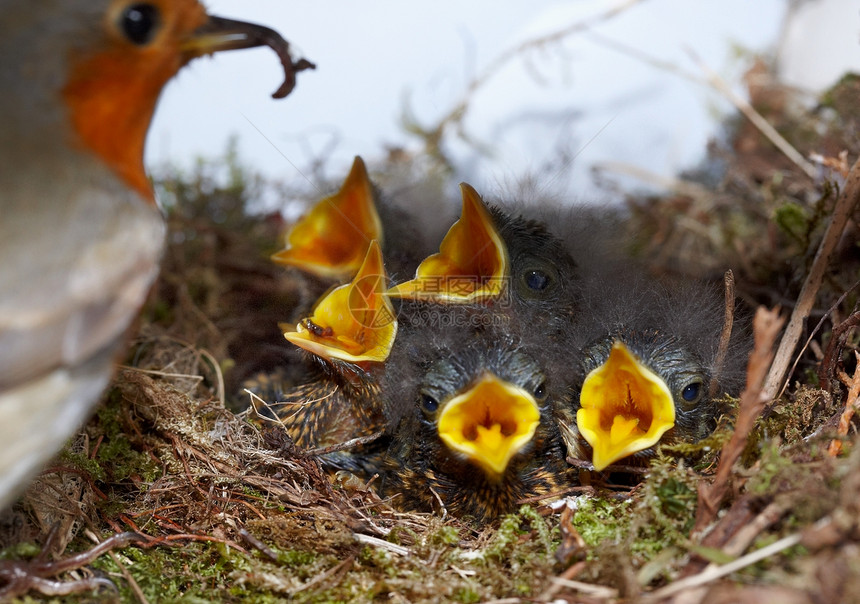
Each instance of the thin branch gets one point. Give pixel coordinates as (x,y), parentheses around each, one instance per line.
(669,183)
(712,574)
(756,118)
(845,205)
(726,334)
(458,112)
(838,335)
(766,326)
(851,403)
(598,591)
(381,544)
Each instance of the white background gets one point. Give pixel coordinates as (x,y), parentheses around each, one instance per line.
(578,96)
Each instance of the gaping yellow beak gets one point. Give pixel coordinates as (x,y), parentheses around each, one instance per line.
(624,408)
(354,322)
(472,262)
(331,241)
(489,423)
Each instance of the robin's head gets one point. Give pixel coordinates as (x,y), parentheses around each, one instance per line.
(98,66)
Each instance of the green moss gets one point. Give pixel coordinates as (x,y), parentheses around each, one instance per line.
(508,533)
(598,519)
(446,535)
(467,595)
(771,465)
(512,528)
(793,219)
(19,551)
(296,558)
(182,574)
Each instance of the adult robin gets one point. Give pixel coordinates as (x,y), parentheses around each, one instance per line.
(80,232)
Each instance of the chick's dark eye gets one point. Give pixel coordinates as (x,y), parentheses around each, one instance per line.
(429,403)
(540,391)
(536,279)
(691,391)
(139,22)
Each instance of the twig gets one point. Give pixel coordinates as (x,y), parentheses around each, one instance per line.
(135,588)
(333,571)
(599,591)
(587,465)
(837,341)
(258,545)
(676,185)
(458,112)
(756,118)
(164,374)
(712,574)
(850,407)
(742,539)
(376,542)
(221,390)
(565,491)
(845,205)
(567,575)
(766,326)
(726,334)
(353,442)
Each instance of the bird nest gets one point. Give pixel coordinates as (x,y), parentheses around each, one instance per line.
(174,491)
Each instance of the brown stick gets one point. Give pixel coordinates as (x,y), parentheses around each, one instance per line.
(850,408)
(845,205)
(726,334)
(833,352)
(766,326)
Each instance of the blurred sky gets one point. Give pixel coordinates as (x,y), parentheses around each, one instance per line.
(583,99)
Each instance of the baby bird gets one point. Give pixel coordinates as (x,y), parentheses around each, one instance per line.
(329,243)
(650,368)
(472,425)
(349,334)
(506,261)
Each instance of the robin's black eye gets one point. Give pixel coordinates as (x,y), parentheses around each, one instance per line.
(429,403)
(540,391)
(537,280)
(692,392)
(139,22)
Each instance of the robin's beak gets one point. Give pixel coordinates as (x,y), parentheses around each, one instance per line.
(354,322)
(218,34)
(472,262)
(489,423)
(331,241)
(624,408)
